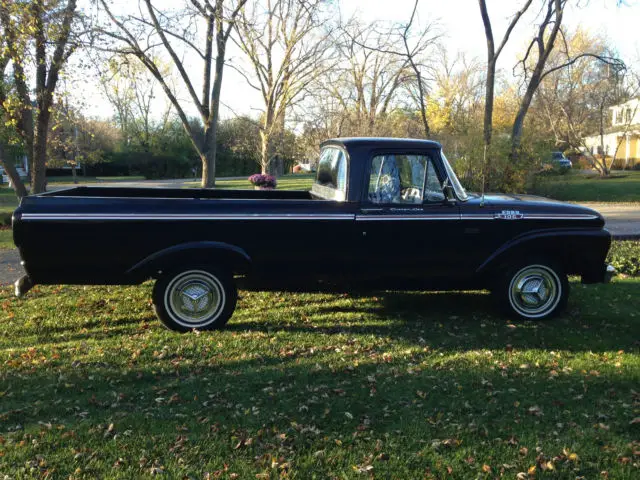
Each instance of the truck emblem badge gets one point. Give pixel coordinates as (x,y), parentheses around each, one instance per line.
(509,215)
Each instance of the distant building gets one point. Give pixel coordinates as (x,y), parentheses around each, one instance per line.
(622,138)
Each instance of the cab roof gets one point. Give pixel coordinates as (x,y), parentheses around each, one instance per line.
(382,142)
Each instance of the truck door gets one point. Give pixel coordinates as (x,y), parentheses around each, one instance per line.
(407,230)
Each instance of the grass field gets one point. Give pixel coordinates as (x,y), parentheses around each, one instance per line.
(578,187)
(398,385)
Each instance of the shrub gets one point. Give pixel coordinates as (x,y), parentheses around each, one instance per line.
(263,180)
(624,256)
(5,218)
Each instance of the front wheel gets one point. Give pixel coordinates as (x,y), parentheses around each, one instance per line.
(534,290)
(194,298)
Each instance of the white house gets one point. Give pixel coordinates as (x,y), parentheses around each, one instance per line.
(22,167)
(622,137)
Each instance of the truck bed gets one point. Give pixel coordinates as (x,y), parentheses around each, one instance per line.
(91,235)
(167,193)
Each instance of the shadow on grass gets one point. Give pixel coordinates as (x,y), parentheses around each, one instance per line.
(290,409)
(471,321)
(599,318)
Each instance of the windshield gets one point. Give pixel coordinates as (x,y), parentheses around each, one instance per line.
(455,183)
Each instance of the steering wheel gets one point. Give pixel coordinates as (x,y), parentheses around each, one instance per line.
(411,195)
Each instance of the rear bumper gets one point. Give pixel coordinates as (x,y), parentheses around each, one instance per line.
(22,286)
(602,275)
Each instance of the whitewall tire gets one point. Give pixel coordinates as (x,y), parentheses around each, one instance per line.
(194,298)
(534,290)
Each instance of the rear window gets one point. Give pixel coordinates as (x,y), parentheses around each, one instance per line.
(332,172)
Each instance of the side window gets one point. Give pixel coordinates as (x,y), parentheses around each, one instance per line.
(332,171)
(433,190)
(401,179)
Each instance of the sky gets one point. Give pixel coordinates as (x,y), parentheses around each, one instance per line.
(462,28)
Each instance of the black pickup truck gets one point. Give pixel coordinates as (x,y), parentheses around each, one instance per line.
(383,214)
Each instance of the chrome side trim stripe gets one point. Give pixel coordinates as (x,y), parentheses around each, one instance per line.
(372,218)
(161,217)
(527,216)
(257,216)
(577,216)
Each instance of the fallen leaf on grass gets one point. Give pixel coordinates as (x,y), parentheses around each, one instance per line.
(362,468)
(535,411)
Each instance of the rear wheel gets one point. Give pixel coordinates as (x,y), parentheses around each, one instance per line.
(533,290)
(194,298)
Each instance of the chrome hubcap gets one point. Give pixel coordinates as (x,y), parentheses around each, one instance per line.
(194,298)
(535,291)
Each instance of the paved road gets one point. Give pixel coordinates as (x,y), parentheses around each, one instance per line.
(622,219)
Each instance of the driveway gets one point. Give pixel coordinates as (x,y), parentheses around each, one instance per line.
(622,220)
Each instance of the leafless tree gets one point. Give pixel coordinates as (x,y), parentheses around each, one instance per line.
(492,58)
(287,50)
(410,48)
(194,29)
(131,89)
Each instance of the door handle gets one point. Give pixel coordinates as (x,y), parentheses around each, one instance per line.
(372,210)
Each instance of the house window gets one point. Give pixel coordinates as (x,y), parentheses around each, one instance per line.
(627,115)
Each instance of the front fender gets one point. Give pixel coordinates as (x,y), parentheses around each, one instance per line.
(580,251)
(220,254)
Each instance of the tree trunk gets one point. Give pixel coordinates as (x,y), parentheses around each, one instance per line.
(208,157)
(39,163)
(265,144)
(13,175)
(488,119)
(603,167)
(518,124)
(544,50)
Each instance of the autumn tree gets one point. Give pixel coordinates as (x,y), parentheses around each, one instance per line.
(200,30)
(573,102)
(36,43)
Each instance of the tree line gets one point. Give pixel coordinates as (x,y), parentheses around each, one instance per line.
(317,75)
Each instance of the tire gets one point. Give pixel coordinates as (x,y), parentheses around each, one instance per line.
(537,289)
(199,298)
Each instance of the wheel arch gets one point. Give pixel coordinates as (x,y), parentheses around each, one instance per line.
(580,252)
(222,255)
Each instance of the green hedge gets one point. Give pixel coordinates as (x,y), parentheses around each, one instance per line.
(625,257)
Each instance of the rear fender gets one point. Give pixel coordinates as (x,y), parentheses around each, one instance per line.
(579,251)
(222,255)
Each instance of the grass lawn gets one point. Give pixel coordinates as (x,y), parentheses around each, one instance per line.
(578,187)
(398,385)
(299,181)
